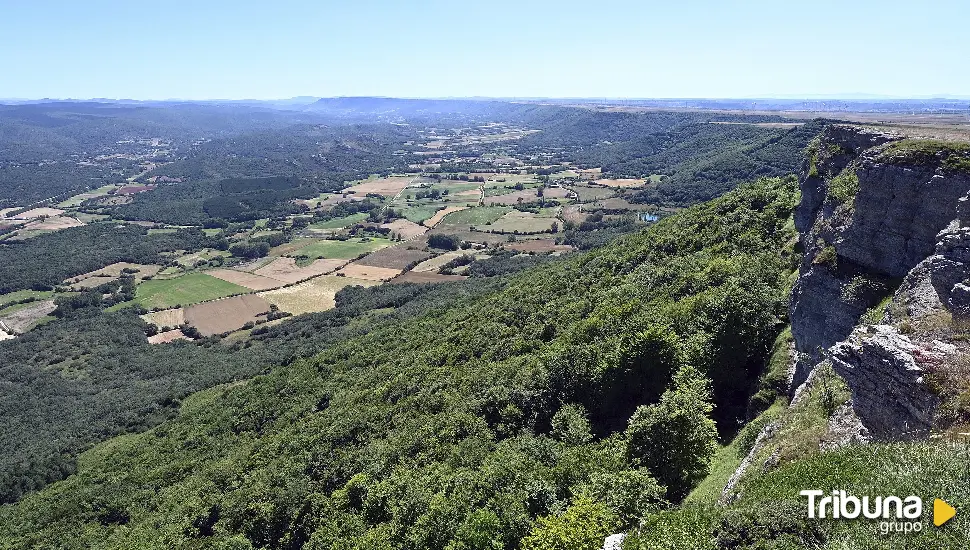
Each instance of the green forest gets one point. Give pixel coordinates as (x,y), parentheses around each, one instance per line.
(576,395)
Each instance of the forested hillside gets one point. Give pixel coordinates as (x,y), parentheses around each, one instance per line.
(574,399)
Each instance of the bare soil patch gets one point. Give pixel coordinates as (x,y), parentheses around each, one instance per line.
(167,337)
(227,314)
(109,273)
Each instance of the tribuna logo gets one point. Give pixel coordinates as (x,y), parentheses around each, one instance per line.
(842,505)
(895,514)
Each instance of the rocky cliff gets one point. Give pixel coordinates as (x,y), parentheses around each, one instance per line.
(880,312)
(873,205)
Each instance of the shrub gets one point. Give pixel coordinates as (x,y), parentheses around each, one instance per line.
(583,526)
(675,439)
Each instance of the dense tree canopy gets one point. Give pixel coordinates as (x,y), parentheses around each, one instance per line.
(459,426)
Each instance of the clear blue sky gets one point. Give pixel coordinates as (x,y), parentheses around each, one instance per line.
(419,48)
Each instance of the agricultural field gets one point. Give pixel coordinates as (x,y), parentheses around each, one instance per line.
(523,222)
(110,273)
(475,216)
(339,223)
(387,187)
(187,289)
(227,314)
(167,337)
(440,214)
(317,294)
(342,250)
(285,269)
(621,183)
(248,280)
(77,200)
(166,317)
(406,228)
(418,213)
(399,257)
(13,297)
(368,272)
(20,318)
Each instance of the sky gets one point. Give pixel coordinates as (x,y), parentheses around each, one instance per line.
(211,49)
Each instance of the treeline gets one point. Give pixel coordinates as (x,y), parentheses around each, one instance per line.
(43,262)
(563,404)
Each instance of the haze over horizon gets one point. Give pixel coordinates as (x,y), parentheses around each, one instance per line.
(616,49)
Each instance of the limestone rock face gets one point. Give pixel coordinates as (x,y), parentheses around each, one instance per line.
(885,371)
(886,229)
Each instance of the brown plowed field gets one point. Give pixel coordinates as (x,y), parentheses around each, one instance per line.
(167,337)
(225,315)
(395,257)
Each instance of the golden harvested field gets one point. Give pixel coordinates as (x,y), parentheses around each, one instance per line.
(166,318)
(314,295)
(383,186)
(54,223)
(286,270)
(38,212)
(248,280)
(623,183)
(227,314)
(167,337)
(433,220)
(369,273)
(395,257)
(425,277)
(434,264)
(406,228)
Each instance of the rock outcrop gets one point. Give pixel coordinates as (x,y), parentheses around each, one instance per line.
(886,373)
(870,213)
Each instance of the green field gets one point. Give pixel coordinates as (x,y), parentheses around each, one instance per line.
(481,215)
(342,250)
(188,289)
(19,295)
(76,200)
(419,212)
(340,223)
